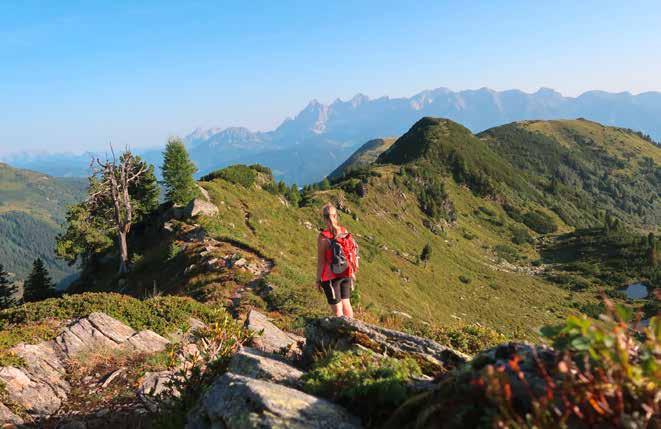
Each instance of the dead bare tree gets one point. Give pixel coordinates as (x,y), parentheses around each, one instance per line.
(111,194)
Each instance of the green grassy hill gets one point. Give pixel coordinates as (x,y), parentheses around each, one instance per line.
(487,216)
(32,208)
(363,157)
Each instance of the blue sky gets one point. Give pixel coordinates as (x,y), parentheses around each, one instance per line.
(77,74)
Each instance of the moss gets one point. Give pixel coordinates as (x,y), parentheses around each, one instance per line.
(369,385)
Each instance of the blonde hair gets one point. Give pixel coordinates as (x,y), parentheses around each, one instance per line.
(329,212)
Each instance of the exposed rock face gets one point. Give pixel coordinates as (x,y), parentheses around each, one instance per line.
(154,387)
(272,339)
(256,364)
(8,417)
(199,207)
(40,386)
(342,333)
(235,401)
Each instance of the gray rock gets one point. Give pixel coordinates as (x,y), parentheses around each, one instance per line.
(8,417)
(111,328)
(199,207)
(237,402)
(341,333)
(37,398)
(264,366)
(147,342)
(155,387)
(272,339)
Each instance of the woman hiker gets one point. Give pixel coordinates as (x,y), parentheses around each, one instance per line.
(337,262)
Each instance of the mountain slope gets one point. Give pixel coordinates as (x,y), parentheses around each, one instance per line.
(363,157)
(32,208)
(324,135)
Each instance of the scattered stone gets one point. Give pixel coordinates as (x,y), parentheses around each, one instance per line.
(235,401)
(111,377)
(341,333)
(155,387)
(240,263)
(199,207)
(253,363)
(272,338)
(308,225)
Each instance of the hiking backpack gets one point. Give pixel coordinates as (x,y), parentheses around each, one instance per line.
(344,251)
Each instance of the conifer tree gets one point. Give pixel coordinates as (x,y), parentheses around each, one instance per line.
(7,290)
(282,187)
(38,285)
(325,184)
(293,195)
(178,172)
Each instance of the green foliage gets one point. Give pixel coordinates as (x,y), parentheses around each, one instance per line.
(369,385)
(7,290)
(325,184)
(161,314)
(425,255)
(178,172)
(238,174)
(433,199)
(85,235)
(520,235)
(464,279)
(539,222)
(38,285)
(293,195)
(507,252)
(469,339)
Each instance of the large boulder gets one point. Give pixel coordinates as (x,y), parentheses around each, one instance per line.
(342,333)
(238,402)
(270,338)
(254,363)
(199,207)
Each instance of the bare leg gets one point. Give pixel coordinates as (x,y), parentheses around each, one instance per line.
(336,309)
(347,311)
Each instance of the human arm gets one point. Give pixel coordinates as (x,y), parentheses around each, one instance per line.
(321,258)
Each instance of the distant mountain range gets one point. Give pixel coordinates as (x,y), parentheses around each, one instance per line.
(309,146)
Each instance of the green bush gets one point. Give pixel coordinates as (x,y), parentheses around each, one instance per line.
(464,279)
(469,339)
(160,314)
(369,385)
(539,222)
(507,252)
(238,174)
(520,235)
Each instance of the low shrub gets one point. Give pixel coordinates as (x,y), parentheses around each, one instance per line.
(506,252)
(539,222)
(238,174)
(520,235)
(369,385)
(464,279)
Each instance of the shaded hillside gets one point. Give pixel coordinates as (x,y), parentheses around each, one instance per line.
(32,209)
(363,157)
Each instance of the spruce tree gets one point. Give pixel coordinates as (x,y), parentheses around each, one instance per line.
(325,184)
(178,172)
(293,195)
(7,290)
(39,285)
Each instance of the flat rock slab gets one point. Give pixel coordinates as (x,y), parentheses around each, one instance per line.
(238,402)
(147,342)
(38,398)
(272,338)
(342,333)
(264,366)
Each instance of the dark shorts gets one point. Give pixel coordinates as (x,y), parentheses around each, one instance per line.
(337,289)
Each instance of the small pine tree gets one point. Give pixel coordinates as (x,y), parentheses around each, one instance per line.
(178,172)
(325,184)
(425,255)
(293,195)
(7,290)
(39,285)
(282,187)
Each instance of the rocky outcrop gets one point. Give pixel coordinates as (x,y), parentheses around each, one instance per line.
(199,207)
(264,366)
(235,401)
(39,386)
(341,333)
(270,338)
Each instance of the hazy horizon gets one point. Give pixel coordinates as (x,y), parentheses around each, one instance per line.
(80,76)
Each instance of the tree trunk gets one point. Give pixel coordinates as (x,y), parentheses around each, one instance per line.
(123,253)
